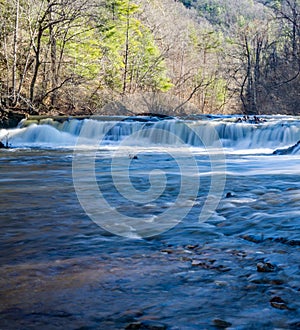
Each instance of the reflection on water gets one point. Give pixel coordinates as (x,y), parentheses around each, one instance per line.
(59,270)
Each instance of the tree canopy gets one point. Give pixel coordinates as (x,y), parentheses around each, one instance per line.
(189,56)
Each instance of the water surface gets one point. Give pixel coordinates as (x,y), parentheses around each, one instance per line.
(60,270)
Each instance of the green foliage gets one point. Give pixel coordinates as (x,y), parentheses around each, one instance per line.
(213,11)
(130,55)
(221,91)
(207,41)
(84,52)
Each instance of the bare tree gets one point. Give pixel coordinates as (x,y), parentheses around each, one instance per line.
(15,52)
(254,46)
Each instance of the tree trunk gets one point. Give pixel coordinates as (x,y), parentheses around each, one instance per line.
(37,51)
(15,50)
(126,55)
(53,59)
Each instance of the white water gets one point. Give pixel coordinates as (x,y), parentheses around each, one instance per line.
(276,132)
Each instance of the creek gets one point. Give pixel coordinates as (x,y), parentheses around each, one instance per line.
(177,224)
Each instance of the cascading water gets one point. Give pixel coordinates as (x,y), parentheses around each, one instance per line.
(274,133)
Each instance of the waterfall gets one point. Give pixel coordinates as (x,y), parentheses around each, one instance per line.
(275,132)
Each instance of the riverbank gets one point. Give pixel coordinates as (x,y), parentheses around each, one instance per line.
(11,118)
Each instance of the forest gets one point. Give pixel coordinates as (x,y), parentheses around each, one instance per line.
(163,56)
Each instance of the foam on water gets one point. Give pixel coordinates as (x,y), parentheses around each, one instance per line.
(38,136)
(236,137)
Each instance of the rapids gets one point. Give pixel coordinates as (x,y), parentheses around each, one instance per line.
(270,134)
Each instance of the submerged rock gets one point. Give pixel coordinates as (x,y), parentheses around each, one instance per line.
(289,150)
(295,325)
(265,267)
(133,325)
(192,246)
(153,325)
(253,238)
(283,240)
(221,324)
(279,303)
(146,325)
(209,264)
(265,280)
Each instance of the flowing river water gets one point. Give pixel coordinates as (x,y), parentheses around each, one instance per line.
(150,224)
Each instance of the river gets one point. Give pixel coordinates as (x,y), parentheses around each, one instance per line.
(142,223)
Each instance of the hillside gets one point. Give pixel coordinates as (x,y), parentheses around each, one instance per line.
(124,56)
